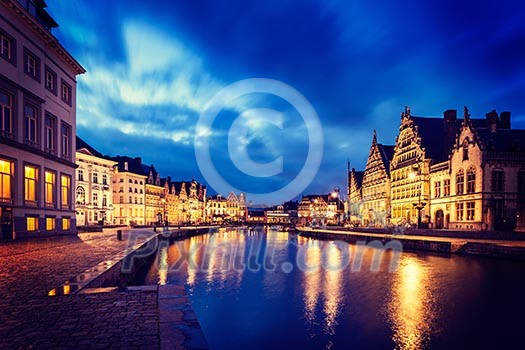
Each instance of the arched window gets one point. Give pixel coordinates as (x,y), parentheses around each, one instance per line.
(465,149)
(81,195)
(471,180)
(460,182)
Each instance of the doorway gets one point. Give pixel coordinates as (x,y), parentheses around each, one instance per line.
(439,219)
(6,218)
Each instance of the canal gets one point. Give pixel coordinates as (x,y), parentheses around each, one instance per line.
(274,290)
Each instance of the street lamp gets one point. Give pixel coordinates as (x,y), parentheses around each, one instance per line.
(164,211)
(416,170)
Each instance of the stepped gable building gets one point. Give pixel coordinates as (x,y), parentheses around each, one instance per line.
(482,185)
(93,189)
(230,209)
(129,191)
(191,202)
(155,197)
(354,195)
(37,124)
(376,185)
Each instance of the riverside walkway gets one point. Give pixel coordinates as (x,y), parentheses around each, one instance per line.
(120,319)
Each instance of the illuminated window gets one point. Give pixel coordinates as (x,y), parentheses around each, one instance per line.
(31,125)
(437,189)
(66,224)
(65,190)
(471,210)
(49,134)
(459,211)
(6,115)
(50,188)
(471,181)
(446,187)
(460,182)
(6,181)
(50,223)
(32,223)
(30,184)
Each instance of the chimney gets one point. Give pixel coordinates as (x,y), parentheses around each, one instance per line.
(450,115)
(139,159)
(504,120)
(126,166)
(492,120)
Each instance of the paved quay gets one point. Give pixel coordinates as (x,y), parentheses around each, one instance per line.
(29,319)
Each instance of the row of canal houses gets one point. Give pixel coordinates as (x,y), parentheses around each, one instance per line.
(443,173)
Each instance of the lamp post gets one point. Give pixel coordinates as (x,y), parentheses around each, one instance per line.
(165,219)
(416,171)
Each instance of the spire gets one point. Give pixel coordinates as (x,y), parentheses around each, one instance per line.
(374,139)
(466,115)
(348,165)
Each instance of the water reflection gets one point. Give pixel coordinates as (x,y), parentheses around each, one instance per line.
(312,279)
(411,310)
(333,288)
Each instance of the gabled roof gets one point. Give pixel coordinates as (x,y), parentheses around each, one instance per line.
(387,152)
(134,164)
(503,140)
(83,145)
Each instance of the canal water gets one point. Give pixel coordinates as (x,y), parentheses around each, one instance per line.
(272,290)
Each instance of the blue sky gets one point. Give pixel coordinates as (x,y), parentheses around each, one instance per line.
(153,65)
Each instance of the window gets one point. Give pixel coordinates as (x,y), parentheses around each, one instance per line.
(136,202)
(471,181)
(66,140)
(104,201)
(30,125)
(130,190)
(459,211)
(446,187)
(95,178)
(95,199)
(104,179)
(50,223)
(50,130)
(471,210)
(497,180)
(49,178)
(6,181)
(465,149)
(65,182)
(31,65)
(66,92)
(6,110)
(7,47)
(80,174)
(51,80)
(30,184)
(81,196)
(437,189)
(66,224)
(32,223)
(121,199)
(460,182)
(130,200)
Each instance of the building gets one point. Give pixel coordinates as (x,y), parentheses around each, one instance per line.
(277,216)
(320,209)
(93,189)
(354,199)
(230,209)
(375,185)
(191,202)
(155,197)
(37,124)
(129,191)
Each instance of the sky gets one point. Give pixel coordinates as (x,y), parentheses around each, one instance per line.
(153,66)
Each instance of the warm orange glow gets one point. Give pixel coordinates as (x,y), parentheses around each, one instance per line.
(312,288)
(163,266)
(67,289)
(333,288)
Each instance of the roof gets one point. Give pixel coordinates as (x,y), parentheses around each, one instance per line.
(81,144)
(503,140)
(134,164)
(387,153)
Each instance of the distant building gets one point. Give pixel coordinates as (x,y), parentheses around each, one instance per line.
(277,216)
(37,124)
(354,202)
(94,194)
(155,197)
(320,209)
(230,209)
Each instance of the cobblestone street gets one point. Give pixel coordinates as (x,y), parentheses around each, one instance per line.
(29,319)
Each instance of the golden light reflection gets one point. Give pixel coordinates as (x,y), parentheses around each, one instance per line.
(411,307)
(312,287)
(67,289)
(332,288)
(163,266)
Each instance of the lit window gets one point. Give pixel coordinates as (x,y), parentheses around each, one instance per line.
(437,189)
(65,185)
(66,92)
(50,188)
(6,181)
(6,115)
(81,195)
(32,223)
(50,134)
(30,184)
(30,125)
(446,187)
(50,223)
(66,224)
